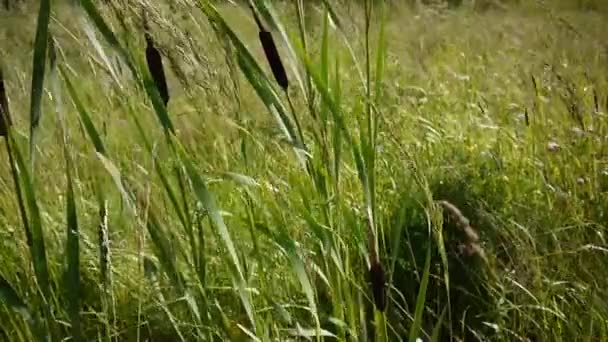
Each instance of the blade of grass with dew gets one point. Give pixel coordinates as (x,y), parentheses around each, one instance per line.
(421,298)
(38,71)
(208,201)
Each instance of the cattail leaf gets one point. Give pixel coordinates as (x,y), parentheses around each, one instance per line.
(72,275)
(5,118)
(421,298)
(39,64)
(208,202)
(337,134)
(336,21)
(288,246)
(84,115)
(164,250)
(381,50)
(37,246)
(338,118)
(161,173)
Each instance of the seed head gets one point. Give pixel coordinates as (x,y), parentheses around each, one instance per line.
(271,52)
(272,55)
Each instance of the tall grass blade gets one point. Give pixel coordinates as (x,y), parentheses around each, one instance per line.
(38,71)
(421,298)
(72,276)
(208,202)
(38,250)
(164,251)
(84,115)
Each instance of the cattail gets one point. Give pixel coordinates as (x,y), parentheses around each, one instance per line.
(378,279)
(5,119)
(155,65)
(272,53)
(527,117)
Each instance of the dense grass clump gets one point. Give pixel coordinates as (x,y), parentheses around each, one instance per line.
(327,170)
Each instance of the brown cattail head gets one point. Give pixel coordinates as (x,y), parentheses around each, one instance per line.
(5,118)
(155,65)
(378,280)
(271,52)
(272,55)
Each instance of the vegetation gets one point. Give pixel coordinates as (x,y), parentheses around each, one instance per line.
(349,171)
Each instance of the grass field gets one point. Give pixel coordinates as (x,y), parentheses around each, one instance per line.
(435,174)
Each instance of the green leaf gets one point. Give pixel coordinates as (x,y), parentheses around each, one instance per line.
(72,275)
(421,299)
(208,202)
(164,250)
(39,65)
(84,114)
(11,299)
(37,247)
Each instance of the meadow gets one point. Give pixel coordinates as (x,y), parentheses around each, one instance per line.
(325,170)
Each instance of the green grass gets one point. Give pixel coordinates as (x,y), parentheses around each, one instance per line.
(244,212)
